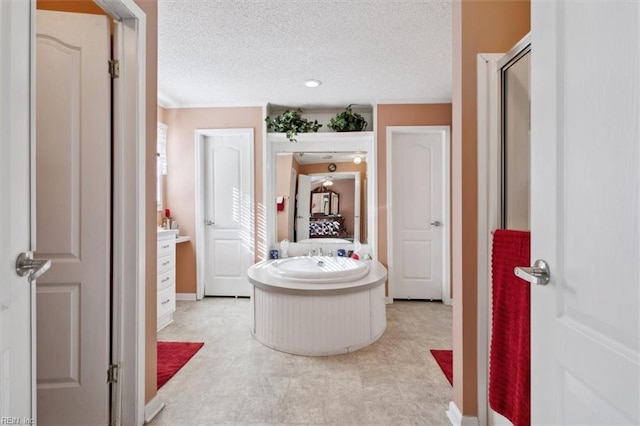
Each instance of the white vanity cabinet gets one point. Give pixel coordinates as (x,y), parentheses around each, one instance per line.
(166,277)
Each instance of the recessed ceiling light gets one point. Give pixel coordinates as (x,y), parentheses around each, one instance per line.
(357,160)
(312,83)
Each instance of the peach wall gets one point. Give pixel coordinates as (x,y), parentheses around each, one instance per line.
(400,115)
(181,165)
(479,27)
(78,6)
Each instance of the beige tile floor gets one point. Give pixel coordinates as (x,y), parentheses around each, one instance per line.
(234,379)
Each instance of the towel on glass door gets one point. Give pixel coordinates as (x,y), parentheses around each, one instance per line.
(510,366)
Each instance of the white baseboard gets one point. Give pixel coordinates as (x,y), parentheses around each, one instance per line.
(457,419)
(388,300)
(152,409)
(185,296)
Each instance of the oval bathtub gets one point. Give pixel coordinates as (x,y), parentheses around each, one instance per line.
(319,269)
(299,312)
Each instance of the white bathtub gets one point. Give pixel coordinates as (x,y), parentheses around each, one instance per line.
(298,311)
(319,269)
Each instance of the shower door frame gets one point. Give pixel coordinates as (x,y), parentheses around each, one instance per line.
(490,200)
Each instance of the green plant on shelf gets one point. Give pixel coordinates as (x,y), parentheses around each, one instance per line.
(348,121)
(291,123)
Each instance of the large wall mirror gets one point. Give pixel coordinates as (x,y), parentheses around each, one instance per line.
(322,188)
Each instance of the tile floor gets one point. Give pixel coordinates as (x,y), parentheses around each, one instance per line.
(234,379)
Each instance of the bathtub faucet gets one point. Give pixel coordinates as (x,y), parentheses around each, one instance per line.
(320,251)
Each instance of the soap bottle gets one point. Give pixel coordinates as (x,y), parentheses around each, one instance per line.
(284,248)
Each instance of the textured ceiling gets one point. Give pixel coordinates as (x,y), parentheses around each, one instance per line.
(227,53)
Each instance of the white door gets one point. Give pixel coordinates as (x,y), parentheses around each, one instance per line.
(73,163)
(585,217)
(17,298)
(303,203)
(228,212)
(417,215)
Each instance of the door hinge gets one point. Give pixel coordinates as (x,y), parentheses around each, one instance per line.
(112,373)
(114,68)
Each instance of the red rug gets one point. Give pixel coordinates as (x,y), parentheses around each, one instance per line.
(444,358)
(172,356)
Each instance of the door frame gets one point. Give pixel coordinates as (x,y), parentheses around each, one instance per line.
(129,221)
(200,138)
(293,183)
(489,199)
(444,132)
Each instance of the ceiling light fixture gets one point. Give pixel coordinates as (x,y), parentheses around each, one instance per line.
(312,83)
(357,160)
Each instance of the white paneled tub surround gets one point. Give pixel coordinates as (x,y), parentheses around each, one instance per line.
(317,318)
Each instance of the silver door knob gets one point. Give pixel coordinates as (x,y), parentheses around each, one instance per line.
(32,268)
(436,223)
(209,222)
(538,274)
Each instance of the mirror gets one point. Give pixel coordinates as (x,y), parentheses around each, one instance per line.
(300,204)
(326,204)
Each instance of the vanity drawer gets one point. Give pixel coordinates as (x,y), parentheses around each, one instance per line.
(166,246)
(166,263)
(166,301)
(166,280)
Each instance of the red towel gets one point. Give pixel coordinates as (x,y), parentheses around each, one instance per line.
(510,366)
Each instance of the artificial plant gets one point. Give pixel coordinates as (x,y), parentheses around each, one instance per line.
(291,122)
(347,121)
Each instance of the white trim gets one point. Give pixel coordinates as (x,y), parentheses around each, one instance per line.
(488,208)
(320,142)
(414,102)
(388,300)
(457,419)
(165,101)
(153,408)
(200,136)
(186,296)
(129,221)
(168,103)
(446,214)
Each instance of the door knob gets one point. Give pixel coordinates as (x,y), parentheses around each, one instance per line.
(538,274)
(209,222)
(32,268)
(436,223)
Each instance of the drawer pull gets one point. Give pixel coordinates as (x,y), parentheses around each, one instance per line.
(166,247)
(164,280)
(166,301)
(166,263)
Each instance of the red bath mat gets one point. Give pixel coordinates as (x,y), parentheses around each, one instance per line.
(172,356)
(444,358)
